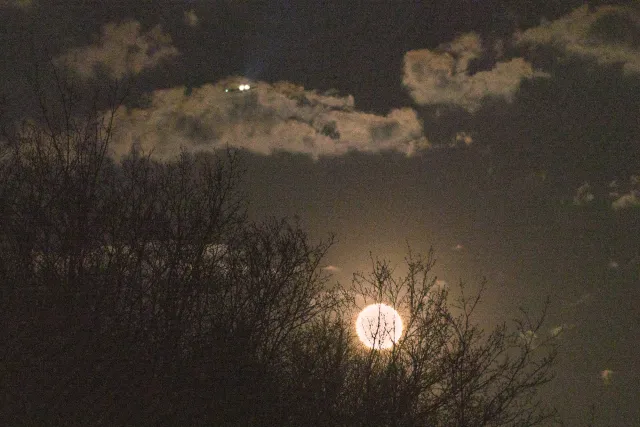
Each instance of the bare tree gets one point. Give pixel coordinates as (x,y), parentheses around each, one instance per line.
(132,289)
(443,371)
(138,292)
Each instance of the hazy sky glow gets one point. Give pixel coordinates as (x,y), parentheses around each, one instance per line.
(505,134)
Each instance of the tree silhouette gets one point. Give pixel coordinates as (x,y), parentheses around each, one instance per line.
(137,292)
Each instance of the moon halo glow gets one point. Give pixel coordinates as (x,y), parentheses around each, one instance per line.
(379,326)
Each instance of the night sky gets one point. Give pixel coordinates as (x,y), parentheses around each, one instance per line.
(504,134)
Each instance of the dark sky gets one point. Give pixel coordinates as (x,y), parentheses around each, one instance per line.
(502,133)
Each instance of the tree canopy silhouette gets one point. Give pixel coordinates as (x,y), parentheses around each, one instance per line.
(137,292)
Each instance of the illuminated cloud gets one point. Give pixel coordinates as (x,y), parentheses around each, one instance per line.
(463,138)
(264,119)
(626,201)
(441,285)
(20,4)
(190,18)
(583,196)
(558,330)
(606,376)
(441,76)
(630,199)
(608,35)
(332,268)
(529,338)
(121,50)
(583,300)
(621,196)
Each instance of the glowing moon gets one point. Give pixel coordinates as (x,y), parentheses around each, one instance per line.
(379,326)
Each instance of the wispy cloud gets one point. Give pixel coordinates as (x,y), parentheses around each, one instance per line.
(190,18)
(630,199)
(621,196)
(583,196)
(626,201)
(583,300)
(463,138)
(607,376)
(529,338)
(122,49)
(332,269)
(265,119)
(441,76)
(441,285)
(605,35)
(559,330)
(20,4)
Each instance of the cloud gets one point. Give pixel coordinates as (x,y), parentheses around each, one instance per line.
(121,50)
(583,196)
(606,376)
(264,119)
(630,199)
(608,35)
(529,338)
(441,76)
(622,196)
(583,300)
(20,4)
(463,138)
(558,330)
(190,18)
(441,285)
(626,201)
(332,268)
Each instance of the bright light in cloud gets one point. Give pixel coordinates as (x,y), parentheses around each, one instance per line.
(263,119)
(379,326)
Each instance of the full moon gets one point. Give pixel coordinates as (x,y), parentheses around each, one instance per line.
(379,326)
